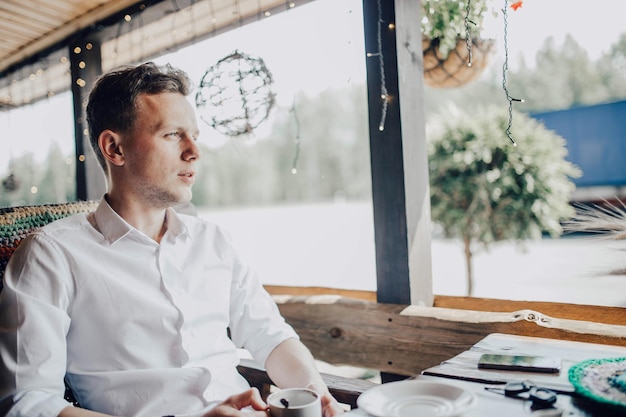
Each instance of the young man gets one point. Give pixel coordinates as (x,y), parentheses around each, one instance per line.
(141,309)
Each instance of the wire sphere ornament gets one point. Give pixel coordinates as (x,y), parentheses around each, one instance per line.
(235,95)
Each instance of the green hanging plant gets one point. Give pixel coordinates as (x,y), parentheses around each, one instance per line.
(447,21)
(454,51)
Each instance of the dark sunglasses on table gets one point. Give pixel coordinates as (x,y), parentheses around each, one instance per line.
(525,390)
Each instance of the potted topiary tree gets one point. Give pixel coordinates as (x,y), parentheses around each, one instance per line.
(484,189)
(450,30)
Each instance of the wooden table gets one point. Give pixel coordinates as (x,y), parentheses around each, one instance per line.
(462,370)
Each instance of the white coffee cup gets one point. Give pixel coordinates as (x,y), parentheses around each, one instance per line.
(295,402)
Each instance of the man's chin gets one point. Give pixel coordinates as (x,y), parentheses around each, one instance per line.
(185,208)
(182,202)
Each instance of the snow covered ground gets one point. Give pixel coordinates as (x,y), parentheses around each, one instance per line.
(332,245)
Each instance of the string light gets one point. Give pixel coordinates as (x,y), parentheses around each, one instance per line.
(293,110)
(505,68)
(116,42)
(294,168)
(212,14)
(468,39)
(173,30)
(192,20)
(142,36)
(133,42)
(135,46)
(259,11)
(25,98)
(46,76)
(383,85)
(27,85)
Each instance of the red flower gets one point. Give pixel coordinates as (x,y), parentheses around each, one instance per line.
(517,4)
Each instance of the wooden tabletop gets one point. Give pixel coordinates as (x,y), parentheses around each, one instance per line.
(465,365)
(462,370)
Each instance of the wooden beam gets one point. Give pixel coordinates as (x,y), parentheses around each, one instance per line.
(400,192)
(62,32)
(590,313)
(387,165)
(85,67)
(383,337)
(414,150)
(308,291)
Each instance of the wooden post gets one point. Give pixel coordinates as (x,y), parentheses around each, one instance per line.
(85,67)
(400,190)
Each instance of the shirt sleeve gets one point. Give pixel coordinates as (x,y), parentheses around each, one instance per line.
(255,321)
(33,326)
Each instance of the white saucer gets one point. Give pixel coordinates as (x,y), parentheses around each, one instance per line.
(416,398)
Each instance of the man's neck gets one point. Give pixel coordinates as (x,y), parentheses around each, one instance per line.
(151,221)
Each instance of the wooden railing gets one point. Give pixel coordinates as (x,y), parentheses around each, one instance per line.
(345,327)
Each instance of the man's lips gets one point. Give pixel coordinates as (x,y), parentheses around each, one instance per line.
(188,175)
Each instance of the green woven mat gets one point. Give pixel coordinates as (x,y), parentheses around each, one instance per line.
(602,380)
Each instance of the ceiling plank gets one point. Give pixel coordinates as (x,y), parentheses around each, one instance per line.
(88,15)
(159,27)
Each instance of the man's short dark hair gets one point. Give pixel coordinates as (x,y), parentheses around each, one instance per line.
(113,99)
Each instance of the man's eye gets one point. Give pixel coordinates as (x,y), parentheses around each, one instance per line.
(173,134)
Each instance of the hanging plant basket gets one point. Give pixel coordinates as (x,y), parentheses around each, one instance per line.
(453,71)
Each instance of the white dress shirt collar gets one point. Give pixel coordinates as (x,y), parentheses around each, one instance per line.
(113,227)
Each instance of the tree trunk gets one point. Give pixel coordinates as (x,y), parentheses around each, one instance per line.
(467,242)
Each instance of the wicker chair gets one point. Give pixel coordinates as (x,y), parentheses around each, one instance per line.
(18,222)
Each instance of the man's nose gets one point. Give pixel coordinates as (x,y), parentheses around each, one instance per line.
(192,151)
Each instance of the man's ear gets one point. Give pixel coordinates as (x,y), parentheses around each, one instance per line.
(110,146)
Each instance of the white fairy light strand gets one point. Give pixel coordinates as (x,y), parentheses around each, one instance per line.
(237,12)
(46,76)
(505,68)
(294,165)
(142,36)
(192,21)
(116,42)
(174,26)
(381,61)
(296,157)
(213,17)
(468,39)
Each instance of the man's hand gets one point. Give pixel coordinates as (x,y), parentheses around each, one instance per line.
(330,406)
(291,365)
(232,406)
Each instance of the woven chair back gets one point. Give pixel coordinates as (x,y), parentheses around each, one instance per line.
(18,222)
